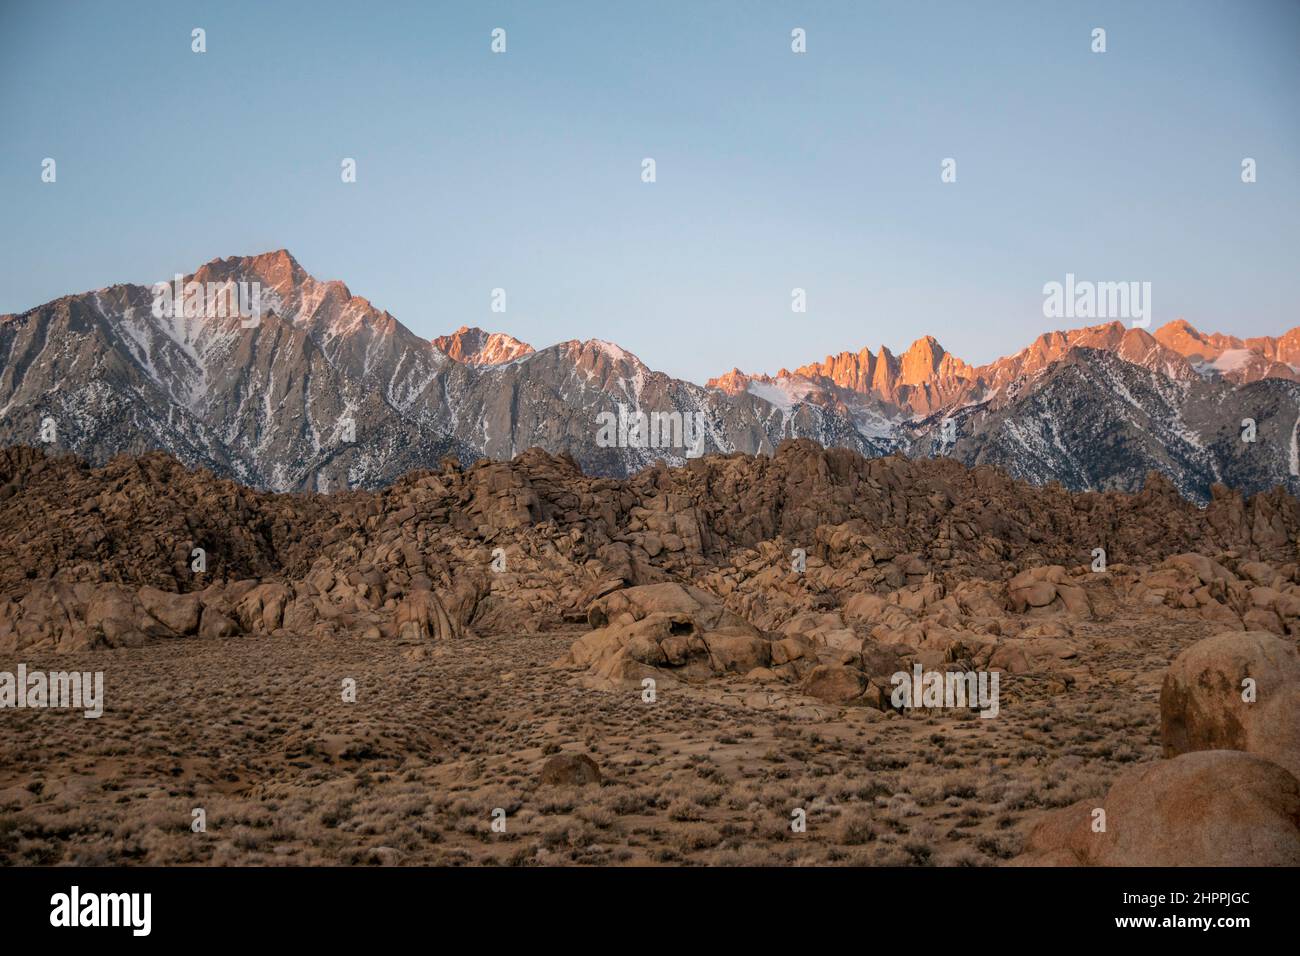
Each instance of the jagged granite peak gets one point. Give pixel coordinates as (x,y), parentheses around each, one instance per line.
(1239,360)
(927,378)
(473,346)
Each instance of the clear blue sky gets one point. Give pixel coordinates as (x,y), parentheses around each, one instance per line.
(775,170)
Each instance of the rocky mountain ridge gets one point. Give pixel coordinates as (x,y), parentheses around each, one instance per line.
(325,391)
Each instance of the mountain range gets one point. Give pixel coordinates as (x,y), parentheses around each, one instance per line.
(323,391)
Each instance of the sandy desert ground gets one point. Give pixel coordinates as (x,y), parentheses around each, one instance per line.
(256,732)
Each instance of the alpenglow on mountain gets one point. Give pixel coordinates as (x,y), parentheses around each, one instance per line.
(323,391)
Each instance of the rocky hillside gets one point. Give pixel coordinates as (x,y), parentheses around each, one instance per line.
(530,543)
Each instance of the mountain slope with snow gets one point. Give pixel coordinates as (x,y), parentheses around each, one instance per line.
(322,391)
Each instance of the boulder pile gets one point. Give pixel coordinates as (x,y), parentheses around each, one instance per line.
(822,559)
(1229,794)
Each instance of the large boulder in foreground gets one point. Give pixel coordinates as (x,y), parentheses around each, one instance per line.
(569,770)
(179,612)
(1202,705)
(835,683)
(1207,808)
(644,631)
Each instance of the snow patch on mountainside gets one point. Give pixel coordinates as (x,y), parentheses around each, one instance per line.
(784,393)
(1233,360)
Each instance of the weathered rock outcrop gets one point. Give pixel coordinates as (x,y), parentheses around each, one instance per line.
(682,630)
(827,556)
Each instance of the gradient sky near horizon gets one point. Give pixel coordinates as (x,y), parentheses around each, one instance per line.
(775,170)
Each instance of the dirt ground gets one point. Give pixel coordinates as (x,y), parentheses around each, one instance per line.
(256,733)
